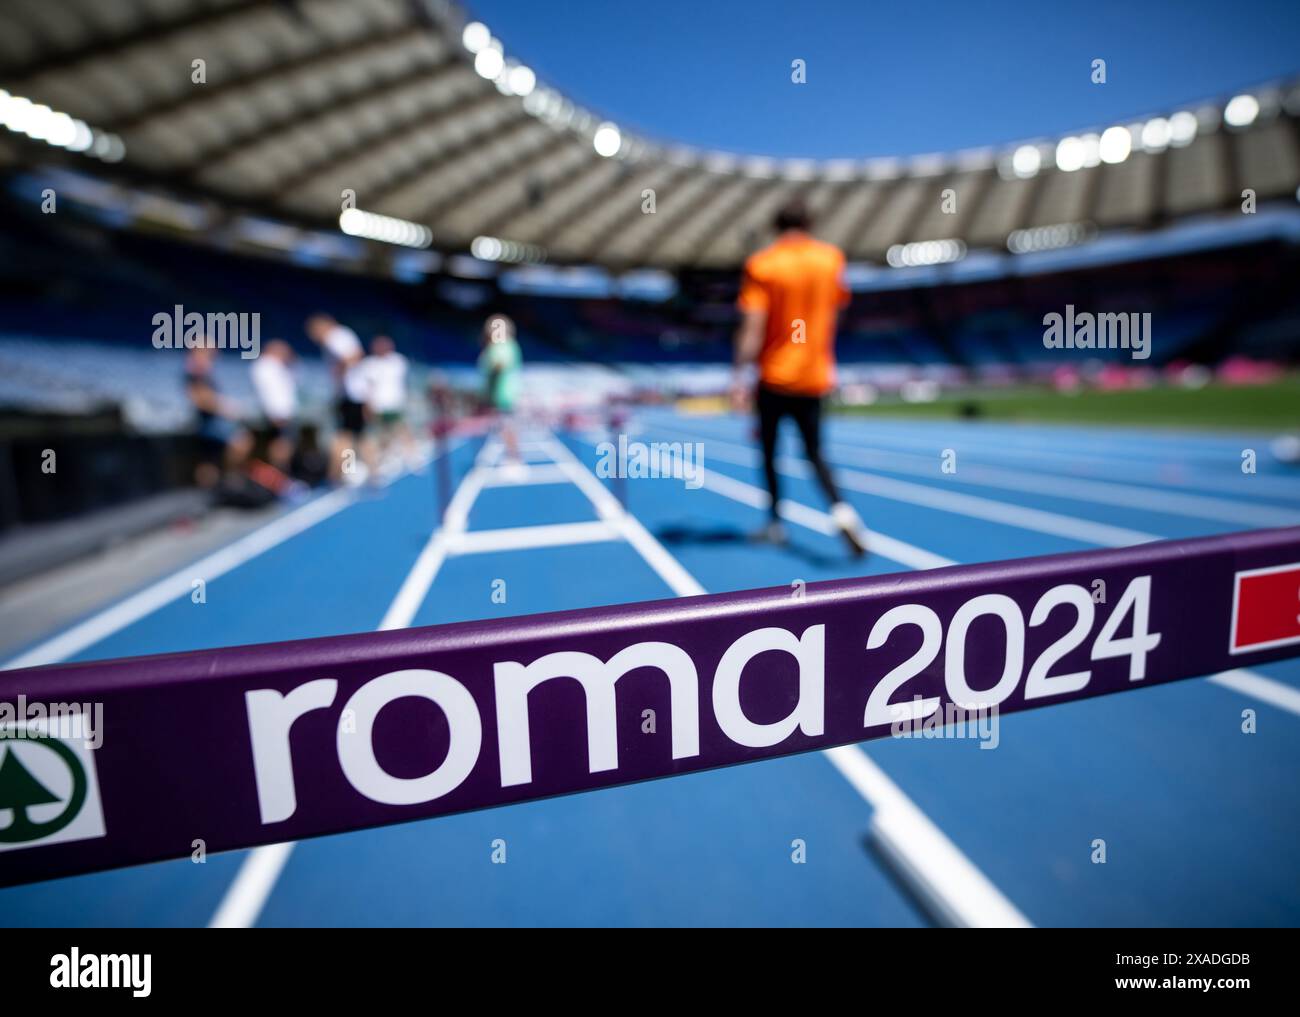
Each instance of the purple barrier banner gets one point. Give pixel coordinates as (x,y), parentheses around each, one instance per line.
(118,762)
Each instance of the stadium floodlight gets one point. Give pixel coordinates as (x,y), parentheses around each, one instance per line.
(1115,145)
(17,113)
(82,139)
(1070,154)
(115,150)
(1049,238)
(926,252)
(1155,134)
(489,62)
(887,168)
(1026,161)
(61,130)
(41,123)
(475,37)
(1182,128)
(540,101)
(1241,111)
(496,249)
(37,122)
(522,80)
(929,165)
(720,162)
(607,140)
(1091,150)
(799,169)
(356,222)
(839,169)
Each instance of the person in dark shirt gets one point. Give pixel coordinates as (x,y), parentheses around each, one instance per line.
(224,444)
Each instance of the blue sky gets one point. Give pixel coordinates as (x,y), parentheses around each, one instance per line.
(890,79)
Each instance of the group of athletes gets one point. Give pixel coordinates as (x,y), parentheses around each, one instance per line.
(370,430)
(790,297)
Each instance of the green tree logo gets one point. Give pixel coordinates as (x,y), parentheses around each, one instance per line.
(20,791)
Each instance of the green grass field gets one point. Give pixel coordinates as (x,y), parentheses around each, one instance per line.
(1271,407)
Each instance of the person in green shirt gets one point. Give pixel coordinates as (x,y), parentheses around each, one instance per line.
(500,363)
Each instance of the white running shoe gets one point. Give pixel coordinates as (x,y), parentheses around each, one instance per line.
(851,526)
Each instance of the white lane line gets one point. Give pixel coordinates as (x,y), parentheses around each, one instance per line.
(932,865)
(178,584)
(813,519)
(954,889)
(247,895)
(252,886)
(944,500)
(456,518)
(525,474)
(1101,492)
(608,507)
(1148,444)
(518,538)
(1249,683)
(416,585)
(1192,476)
(803,515)
(1052,523)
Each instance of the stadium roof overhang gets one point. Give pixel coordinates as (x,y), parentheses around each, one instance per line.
(297,109)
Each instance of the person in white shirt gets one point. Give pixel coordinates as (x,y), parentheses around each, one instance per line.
(385,372)
(277,394)
(345,353)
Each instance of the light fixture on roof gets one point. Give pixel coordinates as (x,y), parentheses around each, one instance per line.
(927,252)
(799,169)
(607,140)
(475,37)
(538,101)
(489,62)
(1115,145)
(356,222)
(1048,238)
(522,80)
(1069,154)
(1241,111)
(1156,134)
(720,162)
(887,168)
(40,123)
(839,169)
(496,249)
(1182,128)
(1026,161)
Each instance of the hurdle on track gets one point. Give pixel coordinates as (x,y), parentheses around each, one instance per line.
(262,744)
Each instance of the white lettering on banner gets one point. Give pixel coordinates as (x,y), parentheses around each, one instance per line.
(357,749)
(514,681)
(809,712)
(272,714)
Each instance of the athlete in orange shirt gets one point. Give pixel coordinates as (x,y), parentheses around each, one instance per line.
(789,299)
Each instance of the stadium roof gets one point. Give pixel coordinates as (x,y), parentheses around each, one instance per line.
(429,122)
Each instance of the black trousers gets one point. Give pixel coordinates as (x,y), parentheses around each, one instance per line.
(806,411)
